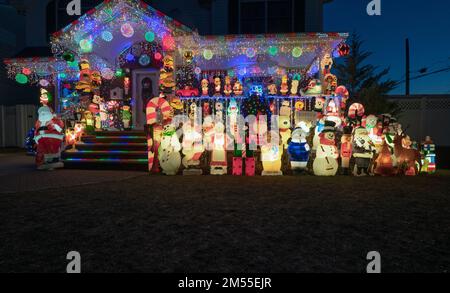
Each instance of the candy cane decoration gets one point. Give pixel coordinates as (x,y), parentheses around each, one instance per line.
(342,92)
(155,104)
(152,110)
(356,110)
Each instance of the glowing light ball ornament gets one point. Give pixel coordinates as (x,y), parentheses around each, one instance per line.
(168,43)
(149,36)
(127,30)
(44,83)
(144,60)
(343,49)
(208,54)
(273,50)
(26,71)
(86,45)
(21,78)
(129,57)
(198,70)
(297,52)
(158,56)
(107,73)
(250,52)
(119,72)
(107,36)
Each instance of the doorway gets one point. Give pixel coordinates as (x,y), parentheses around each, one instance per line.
(145,86)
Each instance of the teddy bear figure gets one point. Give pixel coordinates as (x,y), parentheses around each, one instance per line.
(299,148)
(272,88)
(205,87)
(228,89)
(284,85)
(363,151)
(217,86)
(284,124)
(326,163)
(169,151)
(237,88)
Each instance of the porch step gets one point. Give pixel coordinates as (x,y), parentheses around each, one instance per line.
(109,150)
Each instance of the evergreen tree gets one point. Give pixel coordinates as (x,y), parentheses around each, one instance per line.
(365,82)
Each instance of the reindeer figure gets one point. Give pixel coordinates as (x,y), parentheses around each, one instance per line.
(406,157)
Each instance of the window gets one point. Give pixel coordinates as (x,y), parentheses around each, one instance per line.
(266,16)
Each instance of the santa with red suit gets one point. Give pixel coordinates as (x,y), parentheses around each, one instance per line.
(49,135)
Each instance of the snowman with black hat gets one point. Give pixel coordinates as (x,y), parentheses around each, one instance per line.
(326,163)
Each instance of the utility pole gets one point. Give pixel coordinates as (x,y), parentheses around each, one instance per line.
(408,71)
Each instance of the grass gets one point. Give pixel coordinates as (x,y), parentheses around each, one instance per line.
(231,224)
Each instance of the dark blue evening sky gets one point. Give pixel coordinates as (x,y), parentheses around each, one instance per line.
(425,23)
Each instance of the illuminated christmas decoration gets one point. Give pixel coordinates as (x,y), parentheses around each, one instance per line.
(168,42)
(127,30)
(150,36)
(250,52)
(26,71)
(86,46)
(21,78)
(107,36)
(297,52)
(273,50)
(208,54)
(144,60)
(158,56)
(325,163)
(107,73)
(44,83)
(343,49)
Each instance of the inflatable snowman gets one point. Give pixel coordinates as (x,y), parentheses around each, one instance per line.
(169,151)
(326,163)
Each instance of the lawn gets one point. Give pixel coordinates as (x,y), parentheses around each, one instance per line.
(231,224)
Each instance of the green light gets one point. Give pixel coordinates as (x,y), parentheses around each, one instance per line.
(62,75)
(150,36)
(208,54)
(297,52)
(73,64)
(273,50)
(21,78)
(119,72)
(86,45)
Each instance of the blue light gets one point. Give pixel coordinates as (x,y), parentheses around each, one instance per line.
(129,57)
(107,36)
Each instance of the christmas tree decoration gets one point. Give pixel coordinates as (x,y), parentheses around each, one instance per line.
(107,36)
(86,46)
(208,54)
(273,50)
(150,36)
(144,60)
(297,52)
(127,30)
(21,78)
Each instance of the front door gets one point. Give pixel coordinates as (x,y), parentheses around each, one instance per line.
(145,86)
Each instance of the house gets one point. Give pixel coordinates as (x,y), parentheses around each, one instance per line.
(122,53)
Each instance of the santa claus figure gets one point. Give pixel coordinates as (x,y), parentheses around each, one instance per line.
(49,135)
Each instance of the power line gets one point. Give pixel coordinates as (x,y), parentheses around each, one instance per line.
(426,74)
